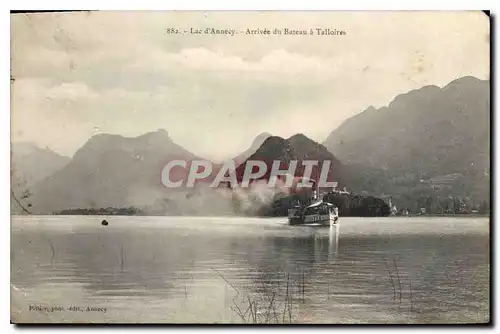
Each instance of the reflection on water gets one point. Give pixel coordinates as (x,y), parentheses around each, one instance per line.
(150,269)
(333,241)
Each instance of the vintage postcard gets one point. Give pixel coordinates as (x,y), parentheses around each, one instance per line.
(269,167)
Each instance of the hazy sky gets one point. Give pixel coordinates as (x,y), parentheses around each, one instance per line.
(79,74)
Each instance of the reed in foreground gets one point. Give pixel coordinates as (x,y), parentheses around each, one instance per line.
(268,311)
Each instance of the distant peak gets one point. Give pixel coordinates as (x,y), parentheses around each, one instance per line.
(160,133)
(275,138)
(300,137)
(424,92)
(23,148)
(467,80)
(105,135)
(368,110)
(105,141)
(272,140)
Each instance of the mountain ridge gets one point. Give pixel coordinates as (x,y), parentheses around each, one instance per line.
(110,171)
(297,147)
(408,148)
(425,133)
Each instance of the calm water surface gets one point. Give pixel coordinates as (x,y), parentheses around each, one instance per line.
(230,270)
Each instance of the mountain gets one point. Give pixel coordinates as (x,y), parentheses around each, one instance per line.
(301,148)
(30,165)
(297,147)
(110,171)
(422,135)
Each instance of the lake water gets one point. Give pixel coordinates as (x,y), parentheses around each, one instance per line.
(233,270)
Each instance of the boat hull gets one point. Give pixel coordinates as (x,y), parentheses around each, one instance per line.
(323,220)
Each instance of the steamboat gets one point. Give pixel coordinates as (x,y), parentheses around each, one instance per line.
(316,212)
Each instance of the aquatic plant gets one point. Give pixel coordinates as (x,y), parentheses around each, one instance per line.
(270,311)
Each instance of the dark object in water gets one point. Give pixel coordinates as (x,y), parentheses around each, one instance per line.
(319,212)
(104,222)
